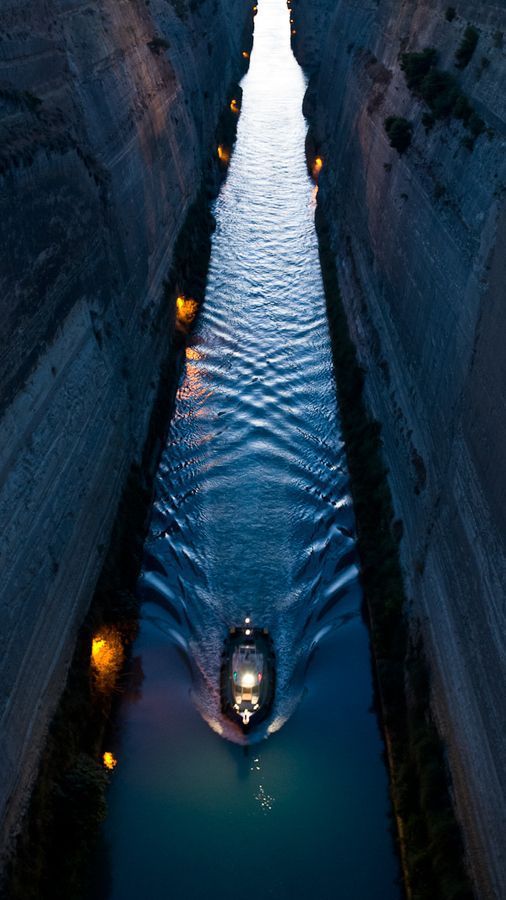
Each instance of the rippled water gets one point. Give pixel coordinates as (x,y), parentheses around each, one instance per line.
(253,517)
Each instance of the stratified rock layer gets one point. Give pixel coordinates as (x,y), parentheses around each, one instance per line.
(108,110)
(421,247)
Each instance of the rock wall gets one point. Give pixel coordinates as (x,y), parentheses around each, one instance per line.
(108,110)
(420,241)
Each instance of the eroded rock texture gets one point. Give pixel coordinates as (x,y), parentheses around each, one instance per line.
(421,247)
(108,110)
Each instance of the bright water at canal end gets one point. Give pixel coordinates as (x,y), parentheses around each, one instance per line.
(253,517)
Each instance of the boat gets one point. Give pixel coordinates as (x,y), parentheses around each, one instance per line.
(247,675)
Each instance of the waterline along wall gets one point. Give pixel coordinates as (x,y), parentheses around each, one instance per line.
(108,114)
(418,239)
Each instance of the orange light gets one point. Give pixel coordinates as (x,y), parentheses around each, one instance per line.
(234,106)
(109,760)
(317,166)
(245,54)
(223,154)
(107,655)
(186,310)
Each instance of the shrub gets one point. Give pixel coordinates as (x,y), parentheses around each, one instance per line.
(467,47)
(463,109)
(416,67)
(450,14)
(157,44)
(440,92)
(476,125)
(81,796)
(428,121)
(399,132)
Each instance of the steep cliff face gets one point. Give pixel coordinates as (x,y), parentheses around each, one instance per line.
(108,110)
(420,241)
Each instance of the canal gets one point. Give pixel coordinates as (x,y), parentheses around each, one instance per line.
(253,517)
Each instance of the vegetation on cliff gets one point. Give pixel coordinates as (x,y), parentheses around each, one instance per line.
(440,91)
(465,51)
(399,132)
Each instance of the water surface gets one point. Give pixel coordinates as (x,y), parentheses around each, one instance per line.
(253,517)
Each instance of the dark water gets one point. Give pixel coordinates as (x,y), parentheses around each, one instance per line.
(253,517)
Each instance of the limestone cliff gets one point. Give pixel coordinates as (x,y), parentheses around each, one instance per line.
(108,110)
(420,240)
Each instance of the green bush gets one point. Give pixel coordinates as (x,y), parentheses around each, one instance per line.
(440,91)
(157,44)
(416,66)
(463,109)
(467,47)
(81,799)
(399,132)
(476,125)
(428,121)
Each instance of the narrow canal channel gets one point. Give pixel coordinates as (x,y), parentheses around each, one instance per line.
(253,517)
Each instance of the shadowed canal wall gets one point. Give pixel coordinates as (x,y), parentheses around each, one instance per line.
(418,239)
(108,114)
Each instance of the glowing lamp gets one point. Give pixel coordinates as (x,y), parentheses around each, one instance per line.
(223,154)
(186,310)
(109,760)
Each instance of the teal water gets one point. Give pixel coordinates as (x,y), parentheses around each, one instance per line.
(253,517)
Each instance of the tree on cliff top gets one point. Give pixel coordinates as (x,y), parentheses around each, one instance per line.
(399,132)
(416,67)
(467,47)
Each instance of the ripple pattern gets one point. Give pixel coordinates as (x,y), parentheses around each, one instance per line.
(253,514)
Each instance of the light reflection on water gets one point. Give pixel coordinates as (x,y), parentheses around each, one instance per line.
(253,517)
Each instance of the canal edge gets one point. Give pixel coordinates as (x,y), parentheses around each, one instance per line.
(25,872)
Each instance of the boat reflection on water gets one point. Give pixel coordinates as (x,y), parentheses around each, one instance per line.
(248,675)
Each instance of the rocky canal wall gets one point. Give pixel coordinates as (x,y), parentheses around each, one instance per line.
(108,113)
(420,244)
